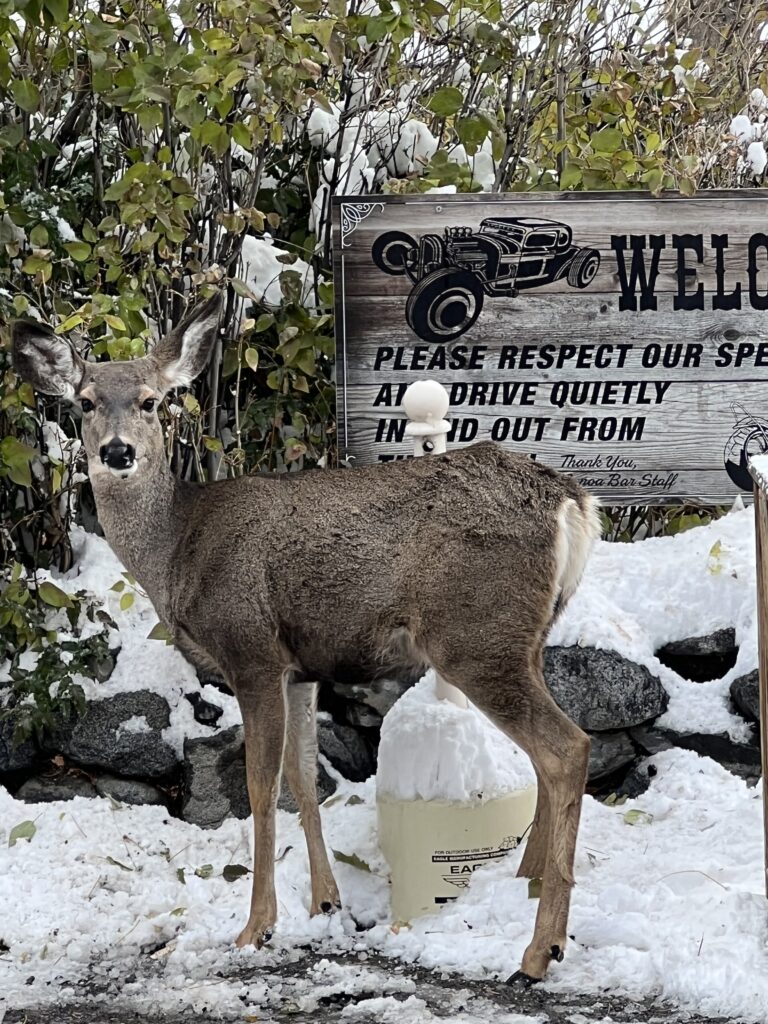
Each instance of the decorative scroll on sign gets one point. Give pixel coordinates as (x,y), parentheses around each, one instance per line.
(620,338)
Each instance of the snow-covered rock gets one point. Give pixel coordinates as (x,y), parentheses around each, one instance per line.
(601,690)
(122,734)
(745,693)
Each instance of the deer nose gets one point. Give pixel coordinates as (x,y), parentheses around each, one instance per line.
(117,454)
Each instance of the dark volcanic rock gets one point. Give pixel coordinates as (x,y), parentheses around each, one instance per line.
(700,658)
(204,711)
(601,690)
(13,756)
(46,788)
(745,694)
(742,759)
(127,791)
(346,750)
(638,780)
(214,785)
(380,694)
(213,778)
(105,737)
(609,752)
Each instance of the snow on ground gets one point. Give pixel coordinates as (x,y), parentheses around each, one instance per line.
(670,906)
(635,598)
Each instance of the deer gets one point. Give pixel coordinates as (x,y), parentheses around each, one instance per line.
(459,561)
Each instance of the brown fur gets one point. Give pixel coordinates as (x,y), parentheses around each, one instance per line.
(282,582)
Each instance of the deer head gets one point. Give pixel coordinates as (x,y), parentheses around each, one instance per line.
(121,430)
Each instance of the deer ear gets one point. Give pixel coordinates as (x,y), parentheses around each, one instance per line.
(49,362)
(183,354)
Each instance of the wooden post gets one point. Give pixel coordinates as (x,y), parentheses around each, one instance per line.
(761,562)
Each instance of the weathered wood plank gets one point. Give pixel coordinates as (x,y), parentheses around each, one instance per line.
(418,215)
(373,326)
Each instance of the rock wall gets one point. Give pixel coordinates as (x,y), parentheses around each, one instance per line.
(116,748)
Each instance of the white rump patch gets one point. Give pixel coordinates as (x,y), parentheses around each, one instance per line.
(576,533)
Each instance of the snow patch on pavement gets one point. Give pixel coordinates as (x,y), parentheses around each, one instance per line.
(671,905)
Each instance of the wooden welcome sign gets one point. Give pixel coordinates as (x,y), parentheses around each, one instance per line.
(618,337)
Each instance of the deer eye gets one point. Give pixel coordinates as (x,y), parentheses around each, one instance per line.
(148,405)
(86,405)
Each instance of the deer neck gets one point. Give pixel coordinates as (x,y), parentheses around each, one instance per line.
(143,519)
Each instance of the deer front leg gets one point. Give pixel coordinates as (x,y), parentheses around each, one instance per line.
(263,710)
(301,773)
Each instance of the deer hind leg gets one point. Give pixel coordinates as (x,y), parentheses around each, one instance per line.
(262,704)
(301,773)
(537,845)
(523,708)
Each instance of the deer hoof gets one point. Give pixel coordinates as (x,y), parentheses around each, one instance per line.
(557,954)
(254,936)
(522,980)
(326,907)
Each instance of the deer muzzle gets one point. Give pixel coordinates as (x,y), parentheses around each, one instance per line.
(118,456)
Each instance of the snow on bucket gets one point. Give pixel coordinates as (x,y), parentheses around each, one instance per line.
(453,794)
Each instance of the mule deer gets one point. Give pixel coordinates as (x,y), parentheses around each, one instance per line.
(459,561)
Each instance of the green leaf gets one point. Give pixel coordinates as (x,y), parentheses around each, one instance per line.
(24,830)
(69,324)
(638,817)
(126,601)
(251,356)
(571,176)
(534,888)
(38,236)
(205,871)
(263,322)
(241,288)
(26,94)
(58,10)
(118,864)
(234,871)
(52,595)
(191,404)
(351,859)
(446,101)
(213,134)
(159,632)
(607,140)
(180,876)
(79,251)
(472,132)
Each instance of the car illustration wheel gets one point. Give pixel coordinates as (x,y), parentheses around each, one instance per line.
(584,267)
(444,304)
(392,250)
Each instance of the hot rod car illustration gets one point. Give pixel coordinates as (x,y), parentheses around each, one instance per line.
(452,273)
(749,437)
